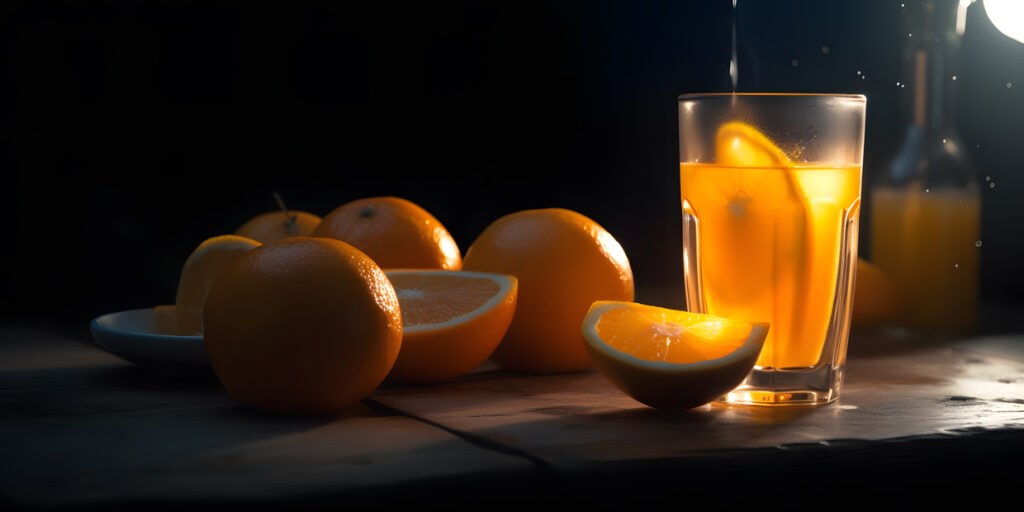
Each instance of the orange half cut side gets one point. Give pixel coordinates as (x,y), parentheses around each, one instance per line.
(667,358)
(452,321)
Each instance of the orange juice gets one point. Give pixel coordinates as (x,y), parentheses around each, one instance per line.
(775,242)
(925,241)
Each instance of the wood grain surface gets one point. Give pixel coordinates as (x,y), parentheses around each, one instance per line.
(81,428)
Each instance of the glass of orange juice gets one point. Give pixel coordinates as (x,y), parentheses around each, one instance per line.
(771,188)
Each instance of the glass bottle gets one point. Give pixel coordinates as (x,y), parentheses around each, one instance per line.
(926,209)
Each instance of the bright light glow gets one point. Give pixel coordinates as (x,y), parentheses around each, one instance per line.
(961,16)
(1007,16)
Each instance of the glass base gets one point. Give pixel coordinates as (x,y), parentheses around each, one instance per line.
(788,387)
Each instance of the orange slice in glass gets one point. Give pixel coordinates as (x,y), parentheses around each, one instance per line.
(670,359)
(451,321)
(739,144)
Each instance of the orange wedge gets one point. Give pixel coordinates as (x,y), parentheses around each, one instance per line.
(201,268)
(670,359)
(451,321)
(165,319)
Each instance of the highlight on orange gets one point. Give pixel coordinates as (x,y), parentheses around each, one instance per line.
(394,232)
(564,262)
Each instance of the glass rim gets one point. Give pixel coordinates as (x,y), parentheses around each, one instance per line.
(850,96)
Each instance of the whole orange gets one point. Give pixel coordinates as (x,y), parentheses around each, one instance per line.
(302,325)
(876,299)
(564,262)
(273,226)
(395,232)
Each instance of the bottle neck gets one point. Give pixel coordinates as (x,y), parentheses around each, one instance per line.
(931,58)
(933,95)
(931,153)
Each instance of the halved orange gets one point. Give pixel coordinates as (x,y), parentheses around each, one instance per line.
(201,268)
(670,359)
(451,321)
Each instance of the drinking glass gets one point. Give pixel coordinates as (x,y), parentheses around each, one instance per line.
(770,187)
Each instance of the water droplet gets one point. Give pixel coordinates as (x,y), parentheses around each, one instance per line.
(954,77)
(825,49)
(910,35)
(903,86)
(988,178)
(862,77)
(858,71)
(977,243)
(902,5)
(1009,84)
(992,185)
(794,62)
(927,190)
(956,265)
(943,141)
(897,83)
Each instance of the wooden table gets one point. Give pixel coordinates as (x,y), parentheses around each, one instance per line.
(81,428)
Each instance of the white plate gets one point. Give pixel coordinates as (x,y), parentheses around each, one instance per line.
(131,335)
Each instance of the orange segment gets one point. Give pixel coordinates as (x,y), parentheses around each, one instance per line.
(201,268)
(656,334)
(434,298)
(670,359)
(451,320)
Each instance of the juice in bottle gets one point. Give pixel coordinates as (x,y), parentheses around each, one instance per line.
(775,242)
(925,204)
(926,241)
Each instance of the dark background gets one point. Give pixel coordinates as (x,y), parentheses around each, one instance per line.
(131,131)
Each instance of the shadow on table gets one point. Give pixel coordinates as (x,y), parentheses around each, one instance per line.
(137,377)
(708,414)
(890,342)
(88,391)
